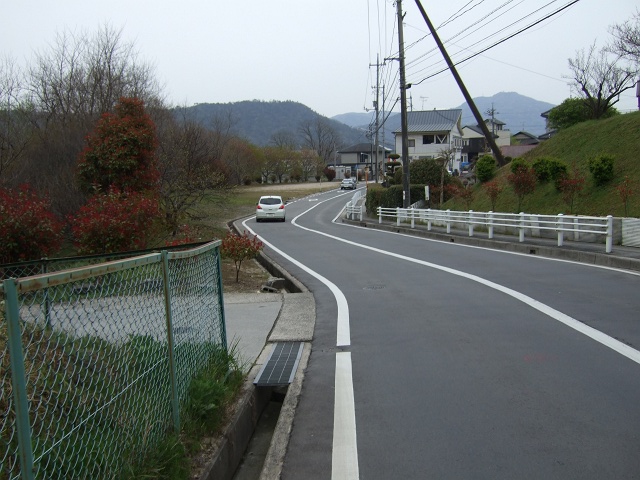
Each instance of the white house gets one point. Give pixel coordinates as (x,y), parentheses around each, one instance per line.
(433,134)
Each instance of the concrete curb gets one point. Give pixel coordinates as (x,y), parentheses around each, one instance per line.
(238,432)
(252,402)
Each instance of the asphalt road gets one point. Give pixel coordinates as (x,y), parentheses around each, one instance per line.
(437,360)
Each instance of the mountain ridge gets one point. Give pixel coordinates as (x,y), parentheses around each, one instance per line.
(258,121)
(518,112)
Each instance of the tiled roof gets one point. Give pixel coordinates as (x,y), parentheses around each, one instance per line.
(432,121)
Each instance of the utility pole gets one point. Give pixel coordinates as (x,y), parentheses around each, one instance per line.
(377,106)
(492,112)
(483,126)
(406,194)
(384,138)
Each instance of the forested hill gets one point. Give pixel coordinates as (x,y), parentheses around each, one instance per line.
(256,121)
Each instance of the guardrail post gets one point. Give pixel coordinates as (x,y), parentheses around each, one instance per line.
(413,221)
(490,222)
(379,214)
(428,219)
(471,223)
(560,230)
(448,219)
(609,245)
(398,216)
(521,227)
(18,379)
(361,209)
(576,229)
(170,341)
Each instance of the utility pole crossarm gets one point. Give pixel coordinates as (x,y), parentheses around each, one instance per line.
(492,143)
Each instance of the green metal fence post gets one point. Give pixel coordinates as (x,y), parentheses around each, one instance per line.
(18,379)
(223,322)
(47,306)
(170,343)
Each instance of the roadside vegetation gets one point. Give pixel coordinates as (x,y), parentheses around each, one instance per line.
(585,152)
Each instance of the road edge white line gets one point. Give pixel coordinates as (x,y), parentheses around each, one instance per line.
(344,457)
(343,330)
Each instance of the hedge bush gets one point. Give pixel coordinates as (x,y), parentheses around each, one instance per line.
(485,168)
(601,168)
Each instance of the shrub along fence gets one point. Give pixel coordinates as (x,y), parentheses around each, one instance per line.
(96,361)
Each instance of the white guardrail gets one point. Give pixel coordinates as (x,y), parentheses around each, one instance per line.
(577,226)
(354,208)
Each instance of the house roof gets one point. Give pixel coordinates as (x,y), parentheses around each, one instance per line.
(363,148)
(432,121)
(522,133)
(495,121)
(478,130)
(515,151)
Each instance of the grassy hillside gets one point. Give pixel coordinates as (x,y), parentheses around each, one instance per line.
(619,136)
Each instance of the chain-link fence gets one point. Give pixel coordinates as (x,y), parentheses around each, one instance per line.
(95,361)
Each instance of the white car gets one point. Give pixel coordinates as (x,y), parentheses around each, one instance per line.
(348,183)
(270,207)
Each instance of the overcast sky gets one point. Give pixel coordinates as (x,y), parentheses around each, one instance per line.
(320,52)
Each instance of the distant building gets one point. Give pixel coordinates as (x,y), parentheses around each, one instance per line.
(359,157)
(433,133)
(475,144)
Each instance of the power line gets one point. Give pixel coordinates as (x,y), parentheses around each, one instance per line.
(500,41)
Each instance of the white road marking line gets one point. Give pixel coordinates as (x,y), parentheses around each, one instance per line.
(343,334)
(344,458)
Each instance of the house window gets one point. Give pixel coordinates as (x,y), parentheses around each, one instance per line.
(412,142)
(437,139)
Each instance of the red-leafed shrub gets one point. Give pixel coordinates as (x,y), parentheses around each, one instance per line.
(239,248)
(184,235)
(114,222)
(121,151)
(28,229)
(625,190)
(493,190)
(522,180)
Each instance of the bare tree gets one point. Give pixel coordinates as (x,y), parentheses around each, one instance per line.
(15,124)
(69,86)
(320,136)
(284,139)
(626,38)
(221,127)
(242,159)
(189,169)
(309,161)
(84,74)
(600,77)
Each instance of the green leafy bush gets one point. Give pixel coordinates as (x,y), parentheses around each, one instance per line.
(601,167)
(485,168)
(550,169)
(518,164)
(426,171)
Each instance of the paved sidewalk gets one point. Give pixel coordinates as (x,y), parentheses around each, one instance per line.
(250,317)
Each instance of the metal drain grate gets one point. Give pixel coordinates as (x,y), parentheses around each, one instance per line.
(281,366)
